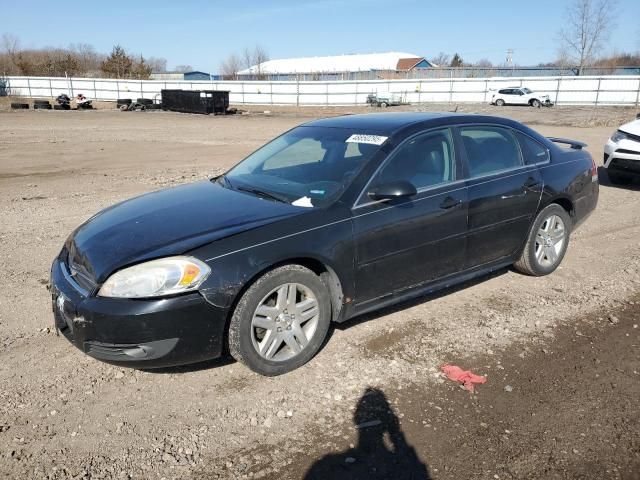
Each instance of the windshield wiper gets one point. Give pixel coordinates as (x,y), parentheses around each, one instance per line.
(263,194)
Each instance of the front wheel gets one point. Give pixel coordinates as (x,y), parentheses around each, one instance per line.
(536,103)
(547,242)
(281,321)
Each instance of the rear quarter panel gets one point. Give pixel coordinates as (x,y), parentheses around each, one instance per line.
(568,176)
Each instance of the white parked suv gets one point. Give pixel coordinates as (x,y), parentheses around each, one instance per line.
(520,96)
(622,153)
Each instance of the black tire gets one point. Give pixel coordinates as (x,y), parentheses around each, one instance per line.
(123,107)
(20,106)
(123,101)
(500,103)
(61,107)
(42,106)
(384,104)
(528,263)
(241,331)
(41,102)
(618,178)
(145,101)
(536,103)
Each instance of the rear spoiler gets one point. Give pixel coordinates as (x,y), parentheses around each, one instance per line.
(576,145)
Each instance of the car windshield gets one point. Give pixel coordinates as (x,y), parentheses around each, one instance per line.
(307,166)
(527,91)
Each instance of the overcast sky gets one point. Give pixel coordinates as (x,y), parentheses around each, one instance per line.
(203,33)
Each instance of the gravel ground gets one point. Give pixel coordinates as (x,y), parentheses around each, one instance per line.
(64,415)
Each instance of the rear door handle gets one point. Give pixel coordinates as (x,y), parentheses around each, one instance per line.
(531,182)
(450,203)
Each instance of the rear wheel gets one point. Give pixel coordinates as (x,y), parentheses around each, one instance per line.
(619,178)
(500,102)
(547,242)
(281,321)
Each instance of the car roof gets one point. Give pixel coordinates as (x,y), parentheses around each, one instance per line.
(389,123)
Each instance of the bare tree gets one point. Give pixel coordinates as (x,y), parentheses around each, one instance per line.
(183,68)
(247,58)
(260,56)
(231,66)
(588,26)
(441,60)
(157,64)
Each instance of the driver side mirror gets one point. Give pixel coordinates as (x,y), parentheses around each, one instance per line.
(392,190)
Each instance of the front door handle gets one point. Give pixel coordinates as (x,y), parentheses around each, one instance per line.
(450,202)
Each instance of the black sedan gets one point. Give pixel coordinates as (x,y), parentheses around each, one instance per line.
(332,219)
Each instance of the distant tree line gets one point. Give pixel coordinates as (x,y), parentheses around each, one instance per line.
(247,59)
(78,60)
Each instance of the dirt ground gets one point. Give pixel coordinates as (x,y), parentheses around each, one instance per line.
(561,353)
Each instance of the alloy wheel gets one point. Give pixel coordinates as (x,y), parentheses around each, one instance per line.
(284,322)
(550,240)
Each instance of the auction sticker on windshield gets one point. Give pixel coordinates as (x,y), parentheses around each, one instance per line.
(370,139)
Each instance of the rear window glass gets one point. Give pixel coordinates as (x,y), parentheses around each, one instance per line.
(490,149)
(532,151)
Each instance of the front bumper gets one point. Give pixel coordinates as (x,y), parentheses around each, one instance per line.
(622,156)
(140,333)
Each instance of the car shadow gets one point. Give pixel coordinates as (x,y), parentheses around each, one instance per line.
(225,359)
(381,450)
(419,300)
(603,178)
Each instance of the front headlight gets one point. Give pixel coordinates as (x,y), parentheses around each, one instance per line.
(156,278)
(618,135)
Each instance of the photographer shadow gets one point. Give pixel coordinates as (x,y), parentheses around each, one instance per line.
(381,452)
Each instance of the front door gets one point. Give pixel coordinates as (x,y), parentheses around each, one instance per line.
(404,243)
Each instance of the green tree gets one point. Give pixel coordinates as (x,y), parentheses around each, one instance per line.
(141,69)
(118,64)
(456,61)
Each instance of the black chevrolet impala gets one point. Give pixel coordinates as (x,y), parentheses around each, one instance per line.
(332,219)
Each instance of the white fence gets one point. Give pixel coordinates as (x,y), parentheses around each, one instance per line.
(592,90)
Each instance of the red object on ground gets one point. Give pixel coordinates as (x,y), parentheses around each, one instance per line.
(466,377)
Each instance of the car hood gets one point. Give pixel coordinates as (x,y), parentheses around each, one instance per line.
(632,127)
(167,222)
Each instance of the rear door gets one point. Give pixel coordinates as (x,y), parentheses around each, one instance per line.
(400,244)
(503,193)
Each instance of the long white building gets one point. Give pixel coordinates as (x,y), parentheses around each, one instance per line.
(383,64)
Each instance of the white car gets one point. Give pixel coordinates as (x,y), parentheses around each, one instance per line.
(520,96)
(622,153)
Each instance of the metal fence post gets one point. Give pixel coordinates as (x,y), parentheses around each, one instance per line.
(29,86)
(450,87)
(95,90)
(242,86)
(638,95)
(50,88)
(271,92)
(486,90)
(598,91)
(558,90)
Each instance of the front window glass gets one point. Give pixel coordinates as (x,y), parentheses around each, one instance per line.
(308,166)
(425,160)
(527,91)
